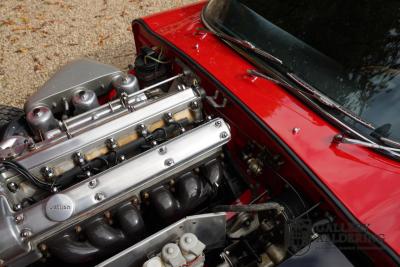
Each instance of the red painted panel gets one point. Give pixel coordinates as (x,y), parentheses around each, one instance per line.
(367,183)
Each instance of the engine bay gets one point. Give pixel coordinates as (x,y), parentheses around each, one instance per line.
(144,168)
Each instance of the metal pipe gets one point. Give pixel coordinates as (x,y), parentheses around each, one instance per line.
(192,191)
(102,238)
(158,84)
(131,222)
(102,235)
(71,250)
(213,172)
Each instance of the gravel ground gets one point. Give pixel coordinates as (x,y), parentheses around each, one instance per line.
(39,36)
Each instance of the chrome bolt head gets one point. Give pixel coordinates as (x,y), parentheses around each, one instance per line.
(78,229)
(169,162)
(218,124)
(99,196)
(92,183)
(162,150)
(338,138)
(19,218)
(121,158)
(42,247)
(47,172)
(296,130)
(79,158)
(142,130)
(194,105)
(26,233)
(223,135)
(111,143)
(168,116)
(135,201)
(12,186)
(17,207)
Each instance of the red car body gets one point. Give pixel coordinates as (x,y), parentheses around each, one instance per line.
(362,186)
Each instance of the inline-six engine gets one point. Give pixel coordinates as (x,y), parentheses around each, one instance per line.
(100,162)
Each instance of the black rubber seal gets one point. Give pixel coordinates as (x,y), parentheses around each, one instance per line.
(353,220)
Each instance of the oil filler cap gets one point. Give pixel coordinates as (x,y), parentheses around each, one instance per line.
(59,207)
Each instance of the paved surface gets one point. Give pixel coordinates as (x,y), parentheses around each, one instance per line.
(39,36)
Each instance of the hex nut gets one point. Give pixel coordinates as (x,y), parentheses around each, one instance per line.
(42,247)
(13,187)
(17,207)
(135,201)
(78,229)
(26,233)
(19,218)
(169,162)
(99,196)
(162,150)
(224,135)
(92,183)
